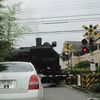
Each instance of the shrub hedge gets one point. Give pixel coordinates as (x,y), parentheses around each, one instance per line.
(95,88)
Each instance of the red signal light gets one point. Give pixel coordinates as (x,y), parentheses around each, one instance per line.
(84,49)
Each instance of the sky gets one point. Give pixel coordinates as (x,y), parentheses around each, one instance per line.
(56,19)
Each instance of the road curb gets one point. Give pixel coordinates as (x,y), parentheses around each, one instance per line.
(87,91)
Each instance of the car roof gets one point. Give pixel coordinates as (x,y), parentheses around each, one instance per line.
(18,62)
(15,62)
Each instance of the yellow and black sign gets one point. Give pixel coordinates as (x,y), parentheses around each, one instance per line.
(67,47)
(91,30)
(90,79)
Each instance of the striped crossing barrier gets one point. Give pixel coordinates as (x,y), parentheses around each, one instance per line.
(86,80)
(89,79)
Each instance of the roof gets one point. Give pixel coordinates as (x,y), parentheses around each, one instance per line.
(75,44)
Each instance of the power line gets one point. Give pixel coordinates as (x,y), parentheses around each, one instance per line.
(63,21)
(82,15)
(67,19)
(58,32)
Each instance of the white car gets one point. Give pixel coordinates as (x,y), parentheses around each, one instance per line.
(19,81)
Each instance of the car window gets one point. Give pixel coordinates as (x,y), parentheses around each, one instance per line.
(15,67)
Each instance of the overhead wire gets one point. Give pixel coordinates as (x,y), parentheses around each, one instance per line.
(53,17)
(59,32)
(62,21)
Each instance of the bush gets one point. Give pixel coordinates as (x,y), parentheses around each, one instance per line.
(98,69)
(79,71)
(95,88)
(83,64)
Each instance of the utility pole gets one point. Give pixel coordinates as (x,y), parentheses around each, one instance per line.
(98,49)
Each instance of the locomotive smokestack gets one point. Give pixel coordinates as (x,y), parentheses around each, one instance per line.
(38,41)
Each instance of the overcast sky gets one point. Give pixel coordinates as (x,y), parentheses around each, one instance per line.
(56,15)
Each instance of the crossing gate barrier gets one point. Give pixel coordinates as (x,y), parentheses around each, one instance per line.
(71,80)
(88,79)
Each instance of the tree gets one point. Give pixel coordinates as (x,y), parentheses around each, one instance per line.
(3,45)
(9,29)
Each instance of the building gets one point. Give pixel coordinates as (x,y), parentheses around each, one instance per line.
(77,55)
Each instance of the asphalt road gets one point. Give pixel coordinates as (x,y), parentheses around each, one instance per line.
(66,93)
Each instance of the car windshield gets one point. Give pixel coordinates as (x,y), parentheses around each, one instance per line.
(15,67)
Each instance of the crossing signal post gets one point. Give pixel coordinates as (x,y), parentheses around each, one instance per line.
(89,40)
(66,51)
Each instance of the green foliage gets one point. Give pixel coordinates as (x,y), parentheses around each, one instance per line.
(95,88)
(79,71)
(3,67)
(9,29)
(98,69)
(83,64)
(4,49)
(1,3)
(81,67)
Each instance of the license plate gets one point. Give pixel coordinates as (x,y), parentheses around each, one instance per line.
(7,84)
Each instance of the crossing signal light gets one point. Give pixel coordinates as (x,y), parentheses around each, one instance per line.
(65,56)
(84,49)
(84,41)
